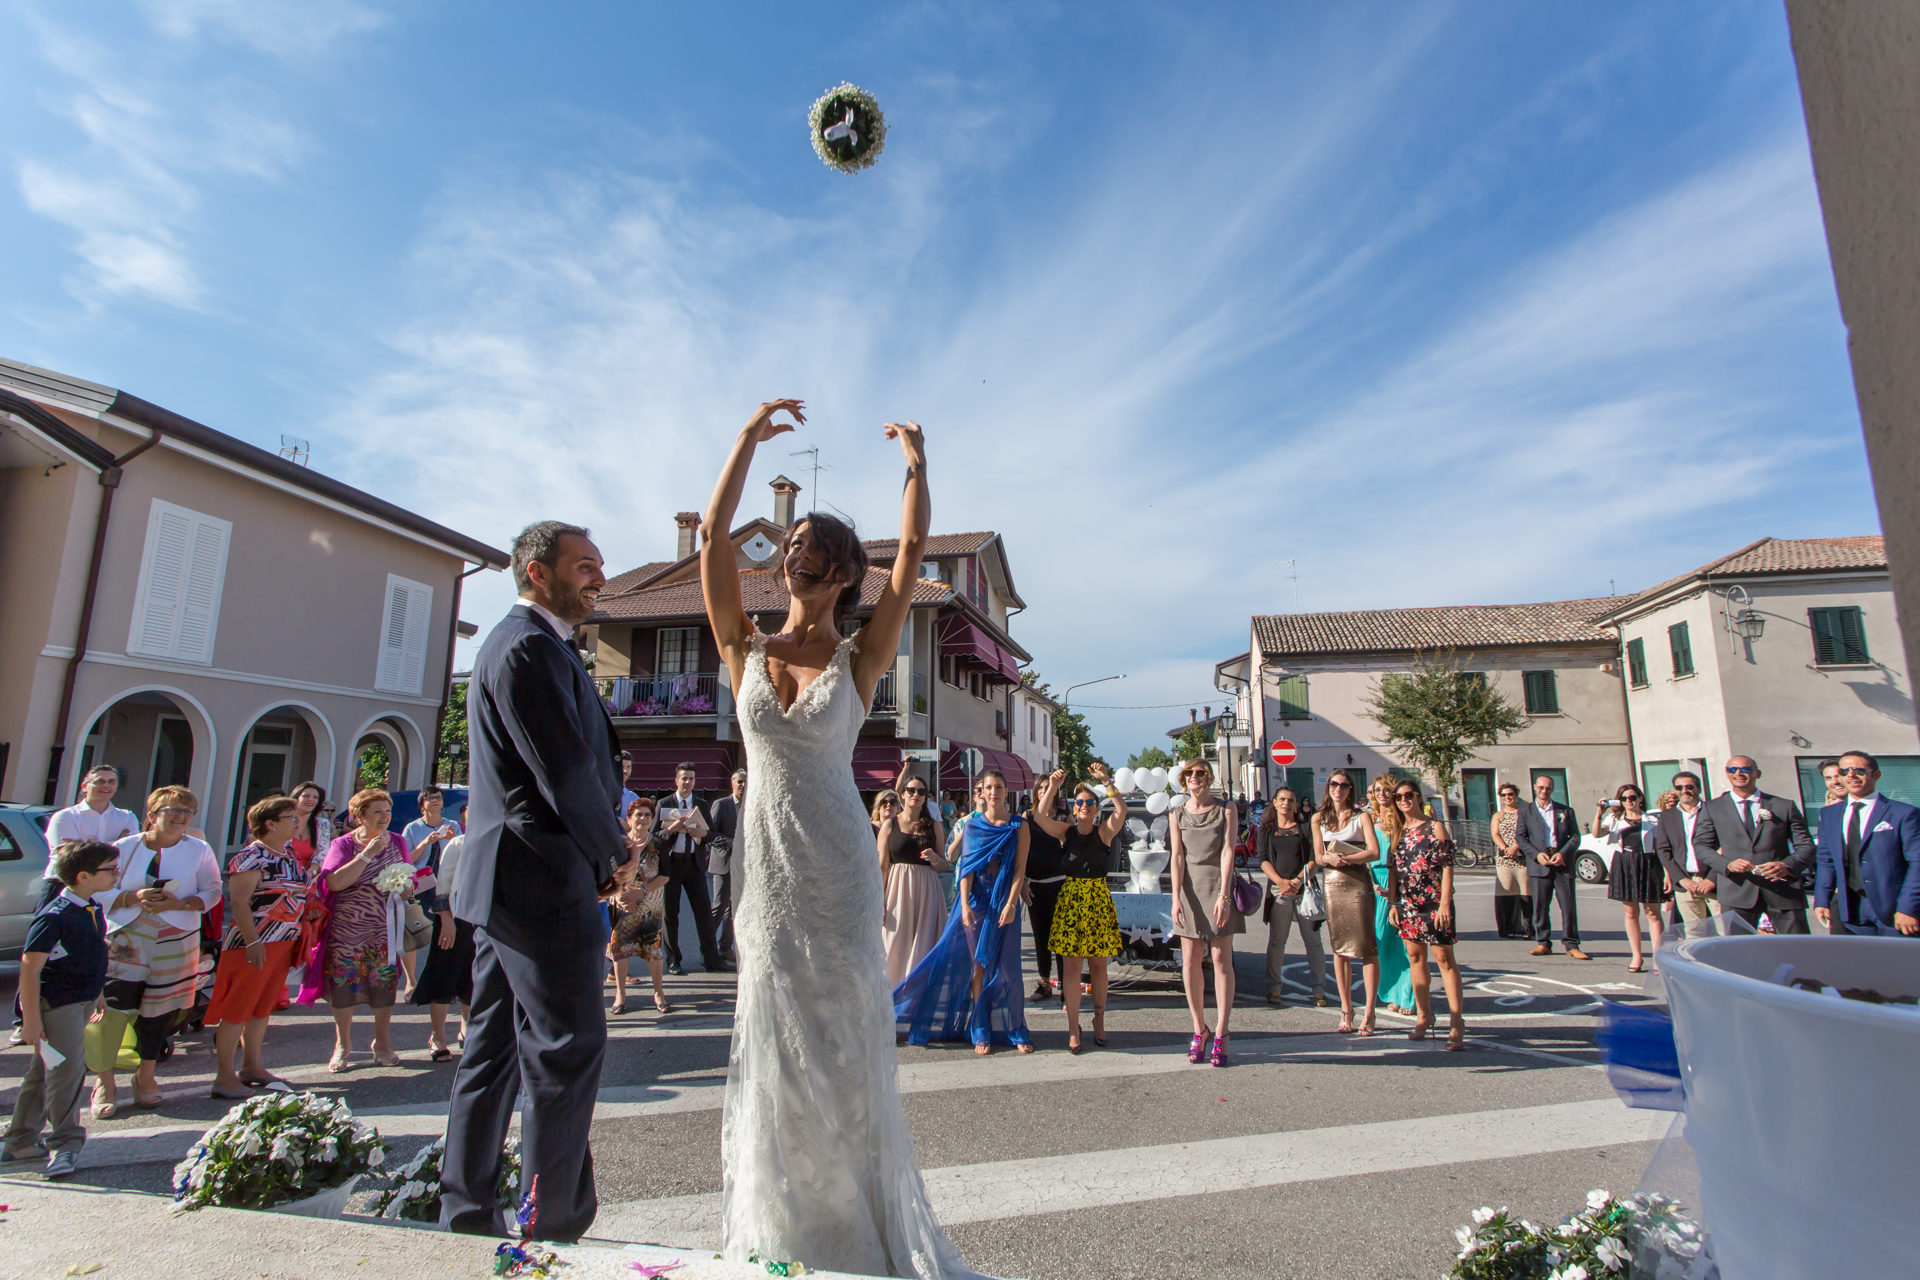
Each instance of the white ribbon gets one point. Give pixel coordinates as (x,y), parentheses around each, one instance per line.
(396,926)
(845,130)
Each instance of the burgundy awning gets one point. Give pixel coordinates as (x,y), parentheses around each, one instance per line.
(953,768)
(654,764)
(966,640)
(875,766)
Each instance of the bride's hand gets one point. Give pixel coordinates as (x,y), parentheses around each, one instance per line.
(1008,912)
(761,427)
(912,441)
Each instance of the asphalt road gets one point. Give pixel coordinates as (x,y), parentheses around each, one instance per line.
(1316,1154)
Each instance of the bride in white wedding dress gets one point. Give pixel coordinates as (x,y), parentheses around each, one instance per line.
(818,1163)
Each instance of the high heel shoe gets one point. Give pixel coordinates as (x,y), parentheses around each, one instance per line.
(1219,1056)
(1197,1050)
(1456,1033)
(1099,1026)
(1420,1029)
(1346,1023)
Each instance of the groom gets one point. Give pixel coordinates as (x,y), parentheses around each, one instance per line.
(542,843)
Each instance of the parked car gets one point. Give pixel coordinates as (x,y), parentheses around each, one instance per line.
(1594,863)
(406,808)
(23,860)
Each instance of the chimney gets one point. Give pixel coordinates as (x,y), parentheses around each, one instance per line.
(688,522)
(784,493)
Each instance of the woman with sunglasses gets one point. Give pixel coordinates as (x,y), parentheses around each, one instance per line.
(910,840)
(1512,899)
(1636,880)
(1343,847)
(1201,835)
(1085,926)
(885,805)
(1420,886)
(1396,978)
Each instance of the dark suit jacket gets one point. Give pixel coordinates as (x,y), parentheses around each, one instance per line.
(1670,845)
(1719,837)
(1889,860)
(1534,838)
(725,821)
(673,863)
(544,780)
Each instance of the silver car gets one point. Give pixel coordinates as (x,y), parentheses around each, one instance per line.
(23,860)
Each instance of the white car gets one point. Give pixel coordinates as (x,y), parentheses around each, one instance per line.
(1594,862)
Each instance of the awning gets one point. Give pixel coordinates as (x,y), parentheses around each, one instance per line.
(970,642)
(953,767)
(875,766)
(654,764)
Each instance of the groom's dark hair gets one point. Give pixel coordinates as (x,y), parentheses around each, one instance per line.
(844,551)
(539,543)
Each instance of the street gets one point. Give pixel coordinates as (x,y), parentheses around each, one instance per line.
(1315,1154)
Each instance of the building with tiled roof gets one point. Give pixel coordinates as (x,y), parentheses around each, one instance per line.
(953,686)
(1787,650)
(1307,676)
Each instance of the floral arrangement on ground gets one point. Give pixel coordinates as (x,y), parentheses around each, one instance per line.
(848,129)
(1643,1237)
(274,1149)
(415,1192)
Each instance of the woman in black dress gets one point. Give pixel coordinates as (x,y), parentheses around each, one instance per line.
(1637,880)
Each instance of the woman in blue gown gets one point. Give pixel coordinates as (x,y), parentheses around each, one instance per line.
(968,987)
(1396,976)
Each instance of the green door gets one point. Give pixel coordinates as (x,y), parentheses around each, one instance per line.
(1300,782)
(1559,777)
(1477,784)
(1656,778)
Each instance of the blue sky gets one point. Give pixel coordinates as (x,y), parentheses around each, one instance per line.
(1473,303)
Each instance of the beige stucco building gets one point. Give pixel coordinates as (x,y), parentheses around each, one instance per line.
(192,609)
(1787,650)
(1311,674)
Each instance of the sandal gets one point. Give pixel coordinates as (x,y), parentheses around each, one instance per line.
(1024,1048)
(1420,1030)
(442,1054)
(260,1081)
(338,1062)
(387,1059)
(1346,1023)
(1366,1026)
(148,1101)
(1219,1056)
(1197,1050)
(660,1003)
(1456,1033)
(619,1006)
(104,1109)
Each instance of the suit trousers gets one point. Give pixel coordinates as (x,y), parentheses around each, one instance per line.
(1783,921)
(537,1023)
(720,889)
(684,877)
(1280,921)
(1045,898)
(1866,922)
(1557,883)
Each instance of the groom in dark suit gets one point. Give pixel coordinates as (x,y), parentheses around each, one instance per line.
(1758,848)
(542,843)
(1549,837)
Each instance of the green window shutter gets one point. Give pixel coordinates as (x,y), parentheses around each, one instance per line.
(1839,636)
(1682,649)
(1637,663)
(1542,693)
(1293,698)
(1475,677)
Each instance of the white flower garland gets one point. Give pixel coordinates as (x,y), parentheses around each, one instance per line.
(848,129)
(275,1148)
(415,1192)
(1636,1238)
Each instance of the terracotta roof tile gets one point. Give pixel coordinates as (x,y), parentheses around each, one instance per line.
(1776,555)
(633,578)
(1443,627)
(761,591)
(938,544)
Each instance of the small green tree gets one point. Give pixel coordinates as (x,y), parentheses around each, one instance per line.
(1151,758)
(1192,742)
(1435,715)
(373,765)
(452,761)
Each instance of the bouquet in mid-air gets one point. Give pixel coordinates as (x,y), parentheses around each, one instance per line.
(848,129)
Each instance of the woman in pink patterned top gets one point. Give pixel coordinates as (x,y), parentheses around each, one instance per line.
(357,961)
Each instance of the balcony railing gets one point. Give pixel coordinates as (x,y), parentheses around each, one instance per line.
(691,693)
(883,702)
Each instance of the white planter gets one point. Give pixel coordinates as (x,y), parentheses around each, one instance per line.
(1801,1108)
(331,1203)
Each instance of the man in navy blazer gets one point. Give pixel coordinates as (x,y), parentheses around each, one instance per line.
(1549,837)
(1868,855)
(542,844)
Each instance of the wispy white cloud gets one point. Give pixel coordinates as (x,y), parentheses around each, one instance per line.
(285,28)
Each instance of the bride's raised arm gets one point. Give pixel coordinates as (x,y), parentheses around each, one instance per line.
(880,638)
(719,568)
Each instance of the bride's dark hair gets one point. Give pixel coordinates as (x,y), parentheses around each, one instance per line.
(844,551)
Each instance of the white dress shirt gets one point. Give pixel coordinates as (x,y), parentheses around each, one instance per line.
(1546,817)
(683,841)
(82,823)
(560,628)
(449,859)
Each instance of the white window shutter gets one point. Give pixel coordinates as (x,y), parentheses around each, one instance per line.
(176,607)
(403,636)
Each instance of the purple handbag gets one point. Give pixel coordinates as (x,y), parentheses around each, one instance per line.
(1246,895)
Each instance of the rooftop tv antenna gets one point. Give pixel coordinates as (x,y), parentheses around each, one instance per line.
(814,453)
(295,450)
(1293,576)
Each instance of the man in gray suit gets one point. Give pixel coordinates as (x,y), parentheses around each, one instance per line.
(1549,836)
(1757,848)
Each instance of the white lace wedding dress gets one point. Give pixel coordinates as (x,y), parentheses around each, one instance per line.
(818,1163)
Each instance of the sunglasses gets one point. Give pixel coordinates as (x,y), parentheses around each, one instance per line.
(888,804)
(1406,795)
(1739,768)
(174,811)
(1853,771)
(1084,803)
(1343,786)
(914,791)
(1687,788)
(1632,795)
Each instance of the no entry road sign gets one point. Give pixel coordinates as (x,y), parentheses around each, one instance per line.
(1283,752)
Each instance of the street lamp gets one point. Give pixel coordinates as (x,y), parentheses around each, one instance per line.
(1066,699)
(1746,624)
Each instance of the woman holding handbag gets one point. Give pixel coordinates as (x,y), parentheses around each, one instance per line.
(1286,859)
(358,961)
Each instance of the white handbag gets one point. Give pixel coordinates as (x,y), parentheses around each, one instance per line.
(1313,903)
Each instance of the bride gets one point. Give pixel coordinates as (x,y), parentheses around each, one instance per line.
(818,1163)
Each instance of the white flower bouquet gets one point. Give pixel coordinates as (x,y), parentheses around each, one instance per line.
(274,1149)
(1638,1238)
(397,878)
(415,1191)
(848,129)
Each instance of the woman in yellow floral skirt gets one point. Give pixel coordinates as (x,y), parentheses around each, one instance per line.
(1085,926)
